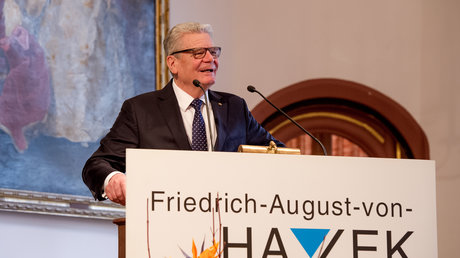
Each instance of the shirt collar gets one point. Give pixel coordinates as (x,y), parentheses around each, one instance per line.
(183,98)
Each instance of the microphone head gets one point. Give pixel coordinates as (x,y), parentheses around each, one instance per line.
(251,88)
(197,83)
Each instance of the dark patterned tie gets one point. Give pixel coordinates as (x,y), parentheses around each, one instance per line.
(199,140)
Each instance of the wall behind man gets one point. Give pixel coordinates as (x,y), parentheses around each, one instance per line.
(408,50)
(49,236)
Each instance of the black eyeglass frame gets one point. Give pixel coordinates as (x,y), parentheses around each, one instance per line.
(217,51)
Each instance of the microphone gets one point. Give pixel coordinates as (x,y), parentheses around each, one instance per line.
(197,84)
(252,89)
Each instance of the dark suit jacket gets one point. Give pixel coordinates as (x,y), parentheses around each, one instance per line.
(153,121)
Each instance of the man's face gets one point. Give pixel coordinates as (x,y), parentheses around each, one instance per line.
(187,68)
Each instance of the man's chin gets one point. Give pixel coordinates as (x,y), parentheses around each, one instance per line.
(207,82)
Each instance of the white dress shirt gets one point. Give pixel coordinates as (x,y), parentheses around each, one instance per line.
(188,112)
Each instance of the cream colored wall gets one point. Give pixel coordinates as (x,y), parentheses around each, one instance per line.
(439,112)
(49,236)
(408,50)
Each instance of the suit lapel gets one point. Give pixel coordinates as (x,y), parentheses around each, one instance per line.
(171,114)
(220,110)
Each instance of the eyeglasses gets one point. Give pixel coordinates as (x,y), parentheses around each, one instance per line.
(200,53)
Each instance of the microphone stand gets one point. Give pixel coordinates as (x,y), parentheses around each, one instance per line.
(252,89)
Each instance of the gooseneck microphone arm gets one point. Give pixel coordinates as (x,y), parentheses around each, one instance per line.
(253,89)
(197,84)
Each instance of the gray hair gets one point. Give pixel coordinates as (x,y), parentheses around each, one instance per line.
(172,40)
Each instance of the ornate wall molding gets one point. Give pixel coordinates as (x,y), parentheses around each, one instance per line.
(58,204)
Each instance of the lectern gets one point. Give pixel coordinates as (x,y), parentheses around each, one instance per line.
(285,205)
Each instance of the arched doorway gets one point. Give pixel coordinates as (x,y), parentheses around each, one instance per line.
(350,119)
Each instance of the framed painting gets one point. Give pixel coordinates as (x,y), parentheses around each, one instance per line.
(65,69)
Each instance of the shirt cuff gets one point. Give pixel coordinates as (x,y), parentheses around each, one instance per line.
(106,182)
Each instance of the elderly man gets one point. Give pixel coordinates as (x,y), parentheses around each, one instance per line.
(174,118)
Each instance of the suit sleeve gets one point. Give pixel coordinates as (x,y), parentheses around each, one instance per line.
(110,156)
(256,134)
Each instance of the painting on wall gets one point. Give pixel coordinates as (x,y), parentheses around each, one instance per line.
(65,69)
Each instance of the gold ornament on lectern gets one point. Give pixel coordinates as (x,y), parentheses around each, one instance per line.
(271,149)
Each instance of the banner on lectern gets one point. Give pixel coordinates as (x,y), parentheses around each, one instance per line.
(265,205)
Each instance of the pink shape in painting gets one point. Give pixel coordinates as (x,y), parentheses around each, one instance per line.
(25,97)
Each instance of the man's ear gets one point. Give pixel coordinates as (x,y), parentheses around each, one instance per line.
(171,62)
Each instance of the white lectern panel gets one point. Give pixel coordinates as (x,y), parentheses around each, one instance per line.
(279,205)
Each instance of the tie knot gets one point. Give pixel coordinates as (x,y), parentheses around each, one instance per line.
(196,104)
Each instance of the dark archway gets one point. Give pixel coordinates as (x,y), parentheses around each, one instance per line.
(331,108)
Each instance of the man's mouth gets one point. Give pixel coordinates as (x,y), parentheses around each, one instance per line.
(207,70)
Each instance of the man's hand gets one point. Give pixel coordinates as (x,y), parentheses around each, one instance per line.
(116,189)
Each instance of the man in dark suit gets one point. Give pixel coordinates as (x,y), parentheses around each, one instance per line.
(165,119)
